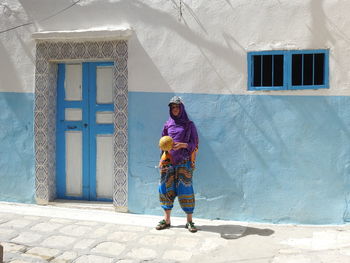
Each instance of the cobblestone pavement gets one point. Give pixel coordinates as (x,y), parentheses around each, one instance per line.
(31,233)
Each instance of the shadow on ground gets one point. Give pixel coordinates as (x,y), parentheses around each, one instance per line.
(234,231)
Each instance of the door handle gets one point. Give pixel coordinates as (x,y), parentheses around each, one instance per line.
(71,127)
(85,125)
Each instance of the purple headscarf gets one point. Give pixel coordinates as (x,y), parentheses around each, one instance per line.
(181,129)
(181,119)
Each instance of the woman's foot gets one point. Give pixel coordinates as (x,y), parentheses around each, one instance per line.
(162,225)
(191,227)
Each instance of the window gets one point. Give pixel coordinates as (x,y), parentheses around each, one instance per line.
(288,70)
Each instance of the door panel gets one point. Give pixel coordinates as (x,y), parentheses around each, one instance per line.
(104,117)
(104,166)
(74,163)
(73,114)
(104,84)
(72,85)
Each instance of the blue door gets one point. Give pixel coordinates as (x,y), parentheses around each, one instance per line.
(84,134)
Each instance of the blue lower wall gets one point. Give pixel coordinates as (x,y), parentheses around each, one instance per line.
(282,159)
(17,180)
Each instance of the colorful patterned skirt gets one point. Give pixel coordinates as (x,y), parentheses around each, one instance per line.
(176,180)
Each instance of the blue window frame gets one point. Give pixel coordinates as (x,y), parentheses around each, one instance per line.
(288,70)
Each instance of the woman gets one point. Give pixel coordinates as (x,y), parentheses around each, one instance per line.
(177,165)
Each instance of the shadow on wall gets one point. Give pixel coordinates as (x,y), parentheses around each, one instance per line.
(300,144)
(147,14)
(8,72)
(17,149)
(21,19)
(144,74)
(343,168)
(21,36)
(258,156)
(226,53)
(135,11)
(319,27)
(218,187)
(219,190)
(147,112)
(9,76)
(218,179)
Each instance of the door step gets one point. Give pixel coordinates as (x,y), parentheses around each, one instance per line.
(83,204)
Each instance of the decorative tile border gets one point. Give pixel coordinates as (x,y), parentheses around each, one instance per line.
(48,53)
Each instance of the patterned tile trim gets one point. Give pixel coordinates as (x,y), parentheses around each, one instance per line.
(47,55)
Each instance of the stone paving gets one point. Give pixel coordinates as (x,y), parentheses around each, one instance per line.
(36,237)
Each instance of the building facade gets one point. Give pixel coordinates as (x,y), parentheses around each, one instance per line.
(84,88)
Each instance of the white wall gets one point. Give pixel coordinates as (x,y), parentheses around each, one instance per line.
(17,49)
(203,52)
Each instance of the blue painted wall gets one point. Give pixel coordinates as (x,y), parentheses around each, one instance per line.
(281,159)
(17,179)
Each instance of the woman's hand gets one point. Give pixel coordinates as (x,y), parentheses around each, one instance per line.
(179,145)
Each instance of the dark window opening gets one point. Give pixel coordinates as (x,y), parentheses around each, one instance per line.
(278,70)
(319,69)
(307,69)
(257,71)
(297,62)
(267,70)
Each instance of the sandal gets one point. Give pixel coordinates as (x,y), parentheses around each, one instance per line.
(191,227)
(162,225)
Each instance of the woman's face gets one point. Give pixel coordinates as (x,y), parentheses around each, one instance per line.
(175,109)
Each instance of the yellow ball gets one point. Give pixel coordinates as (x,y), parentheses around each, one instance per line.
(166,143)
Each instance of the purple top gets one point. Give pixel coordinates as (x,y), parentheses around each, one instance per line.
(181,129)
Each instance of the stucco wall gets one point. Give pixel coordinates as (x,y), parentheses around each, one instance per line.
(261,158)
(206,48)
(263,151)
(16,150)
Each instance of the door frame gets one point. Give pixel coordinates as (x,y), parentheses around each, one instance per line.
(49,53)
